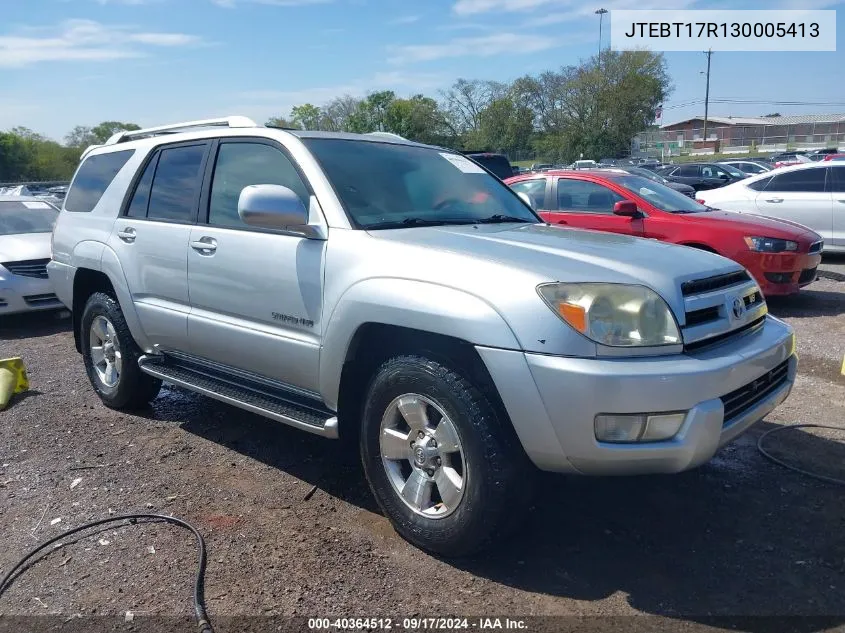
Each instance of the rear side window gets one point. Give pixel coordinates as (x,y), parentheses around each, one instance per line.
(585,197)
(534,189)
(759,185)
(176,184)
(687,171)
(803,180)
(93,178)
(141,197)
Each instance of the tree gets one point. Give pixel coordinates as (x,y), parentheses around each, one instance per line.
(337,113)
(418,119)
(465,101)
(82,136)
(306,116)
(505,126)
(277,121)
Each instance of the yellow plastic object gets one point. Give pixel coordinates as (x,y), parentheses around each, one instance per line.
(843,365)
(13,379)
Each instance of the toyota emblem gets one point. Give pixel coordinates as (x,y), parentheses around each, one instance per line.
(738,307)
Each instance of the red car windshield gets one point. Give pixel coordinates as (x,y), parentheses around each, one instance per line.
(660,196)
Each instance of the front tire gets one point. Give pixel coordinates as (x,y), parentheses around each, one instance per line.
(440,459)
(111,356)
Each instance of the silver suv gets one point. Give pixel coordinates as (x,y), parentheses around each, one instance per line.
(368,287)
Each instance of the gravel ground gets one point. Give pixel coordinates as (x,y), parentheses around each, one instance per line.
(739,536)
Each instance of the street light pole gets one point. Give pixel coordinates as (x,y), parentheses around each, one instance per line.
(600,13)
(709,53)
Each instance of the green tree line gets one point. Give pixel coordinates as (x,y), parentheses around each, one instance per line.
(592,109)
(26,155)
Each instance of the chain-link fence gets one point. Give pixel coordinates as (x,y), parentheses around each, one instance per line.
(737,139)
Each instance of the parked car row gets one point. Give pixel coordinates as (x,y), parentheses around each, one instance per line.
(398,293)
(782,256)
(26,223)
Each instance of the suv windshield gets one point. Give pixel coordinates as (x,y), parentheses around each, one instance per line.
(660,196)
(19,217)
(386,185)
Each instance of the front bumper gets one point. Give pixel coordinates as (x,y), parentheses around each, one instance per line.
(781,273)
(26,294)
(552,401)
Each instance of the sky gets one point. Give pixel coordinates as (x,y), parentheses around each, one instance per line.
(79,62)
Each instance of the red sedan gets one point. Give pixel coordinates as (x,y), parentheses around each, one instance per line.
(782,256)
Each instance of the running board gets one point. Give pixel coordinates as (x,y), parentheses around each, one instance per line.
(274,403)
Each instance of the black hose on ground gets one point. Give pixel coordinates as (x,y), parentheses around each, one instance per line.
(199,602)
(776,460)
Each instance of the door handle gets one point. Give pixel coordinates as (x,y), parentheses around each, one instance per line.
(127,235)
(841,200)
(562,222)
(205,245)
(774,199)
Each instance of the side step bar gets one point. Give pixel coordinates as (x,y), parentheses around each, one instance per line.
(258,397)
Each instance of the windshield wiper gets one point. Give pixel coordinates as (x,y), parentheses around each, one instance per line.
(499,218)
(414,221)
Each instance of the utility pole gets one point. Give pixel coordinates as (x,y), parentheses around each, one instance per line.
(709,53)
(600,13)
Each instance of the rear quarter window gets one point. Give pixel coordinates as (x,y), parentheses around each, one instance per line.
(93,178)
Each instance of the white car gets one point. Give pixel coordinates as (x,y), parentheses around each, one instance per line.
(748,166)
(812,194)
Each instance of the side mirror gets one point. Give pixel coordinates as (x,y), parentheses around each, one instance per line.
(626,208)
(525,198)
(272,207)
(725,177)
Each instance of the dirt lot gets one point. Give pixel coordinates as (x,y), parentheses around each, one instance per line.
(739,536)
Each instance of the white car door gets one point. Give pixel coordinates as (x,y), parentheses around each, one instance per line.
(151,240)
(837,187)
(801,196)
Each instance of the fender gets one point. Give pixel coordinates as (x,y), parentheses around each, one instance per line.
(406,303)
(110,265)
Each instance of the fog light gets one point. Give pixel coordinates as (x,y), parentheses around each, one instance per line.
(663,427)
(622,428)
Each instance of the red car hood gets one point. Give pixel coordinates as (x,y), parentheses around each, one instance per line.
(757,225)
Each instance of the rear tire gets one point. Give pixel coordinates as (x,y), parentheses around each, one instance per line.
(111,356)
(440,458)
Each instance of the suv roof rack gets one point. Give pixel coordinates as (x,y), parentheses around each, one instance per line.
(387,135)
(173,128)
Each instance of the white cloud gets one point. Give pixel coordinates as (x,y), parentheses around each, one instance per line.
(83,40)
(481,46)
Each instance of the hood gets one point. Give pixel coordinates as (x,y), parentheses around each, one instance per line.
(15,248)
(757,225)
(553,253)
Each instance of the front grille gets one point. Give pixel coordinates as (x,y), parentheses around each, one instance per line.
(753,300)
(816,247)
(28,268)
(40,300)
(707,342)
(705,315)
(709,284)
(738,402)
(807,275)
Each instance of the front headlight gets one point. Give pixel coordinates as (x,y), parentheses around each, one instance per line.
(616,315)
(770,244)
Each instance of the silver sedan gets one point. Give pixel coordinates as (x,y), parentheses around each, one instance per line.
(26,225)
